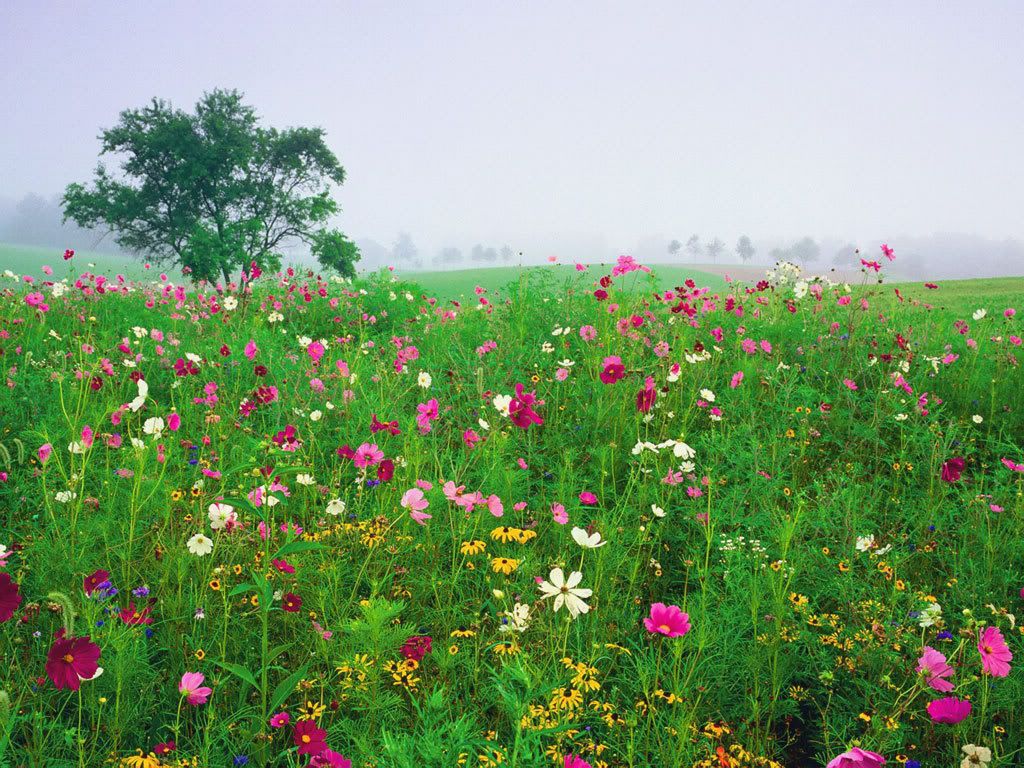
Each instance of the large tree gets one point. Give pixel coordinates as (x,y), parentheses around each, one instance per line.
(214,191)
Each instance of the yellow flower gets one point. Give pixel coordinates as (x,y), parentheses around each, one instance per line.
(505,533)
(567,698)
(474,547)
(462,632)
(504,565)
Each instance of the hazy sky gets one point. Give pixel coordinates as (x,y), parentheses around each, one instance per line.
(553,124)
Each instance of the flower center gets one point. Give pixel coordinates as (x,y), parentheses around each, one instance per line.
(305,739)
(665,628)
(68,658)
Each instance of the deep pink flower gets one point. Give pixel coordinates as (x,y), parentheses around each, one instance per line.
(280,719)
(94,580)
(934,665)
(367,455)
(952,469)
(416,647)
(192,688)
(995,653)
(949,710)
(71,660)
(613,369)
(667,620)
(308,738)
(10,598)
(571,761)
(330,759)
(857,758)
(520,410)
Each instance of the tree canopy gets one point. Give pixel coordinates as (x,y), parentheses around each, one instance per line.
(214,191)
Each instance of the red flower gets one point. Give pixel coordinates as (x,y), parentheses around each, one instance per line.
(10,598)
(951,469)
(520,410)
(72,660)
(131,616)
(416,647)
(94,580)
(308,738)
(385,470)
(164,748)
(291,602)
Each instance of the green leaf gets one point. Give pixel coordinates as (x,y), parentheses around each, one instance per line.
(241,589)
(294,547)
(286,686)
(240,672)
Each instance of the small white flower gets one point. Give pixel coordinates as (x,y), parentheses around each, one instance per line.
(65,496)
(220,515)
(304,478)
(516,620)
(230,303)
(335,507)
(566,592)
(979,314)
(200,545)
(316,415)
(140,399)
(587,541)
(657,511)
(424,380)
(683,451)
(501,403)
(864,543)
(930,615)
(708,395)
(154,426)
(977,418)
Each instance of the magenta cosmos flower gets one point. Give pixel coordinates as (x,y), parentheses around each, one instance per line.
(192,688)
(520,409)
(571,761)
(995,653)
(10,598)
(857,758)
(952,469)
(667,620)
(934,665)
(949,710)
(71,660)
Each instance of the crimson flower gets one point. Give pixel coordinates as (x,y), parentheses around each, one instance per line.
(308,738)
(10,598)
(71,660)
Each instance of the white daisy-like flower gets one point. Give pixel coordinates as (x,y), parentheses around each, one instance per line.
(587,541)
(566,592)
(335,507)
(424,380)
(200,545)
(220,515)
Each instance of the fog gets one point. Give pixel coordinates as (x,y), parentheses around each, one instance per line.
(473,132)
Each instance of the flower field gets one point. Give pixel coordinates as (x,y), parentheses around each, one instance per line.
(299,521)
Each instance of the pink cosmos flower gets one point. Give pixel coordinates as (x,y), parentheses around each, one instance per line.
(949,710)
(588,498)
(667,620)
(995,653)
(414,501)
(280,719)
(736,380)
(1010,465)
(520,410)
(559,514)
(251,349)
(367,455)
(571,761)
(613,370)
(934,665)
(44,452)
(191,687)
(857,758)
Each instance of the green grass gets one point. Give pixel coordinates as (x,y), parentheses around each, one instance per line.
(803,478)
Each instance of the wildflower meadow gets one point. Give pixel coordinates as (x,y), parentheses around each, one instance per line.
(584,519)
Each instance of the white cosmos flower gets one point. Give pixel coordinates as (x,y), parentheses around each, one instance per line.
(587,541)
(335,507)
(566,592)
(200,545)
(657,511)
(979,314)
(501,403)
(304,478)
(65,496)
(220,515)
(137,403)
(154,426)
(424,380)
(316,415)
(683,451)
(516,620)
(708,395)
(864,543)
(230,303)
